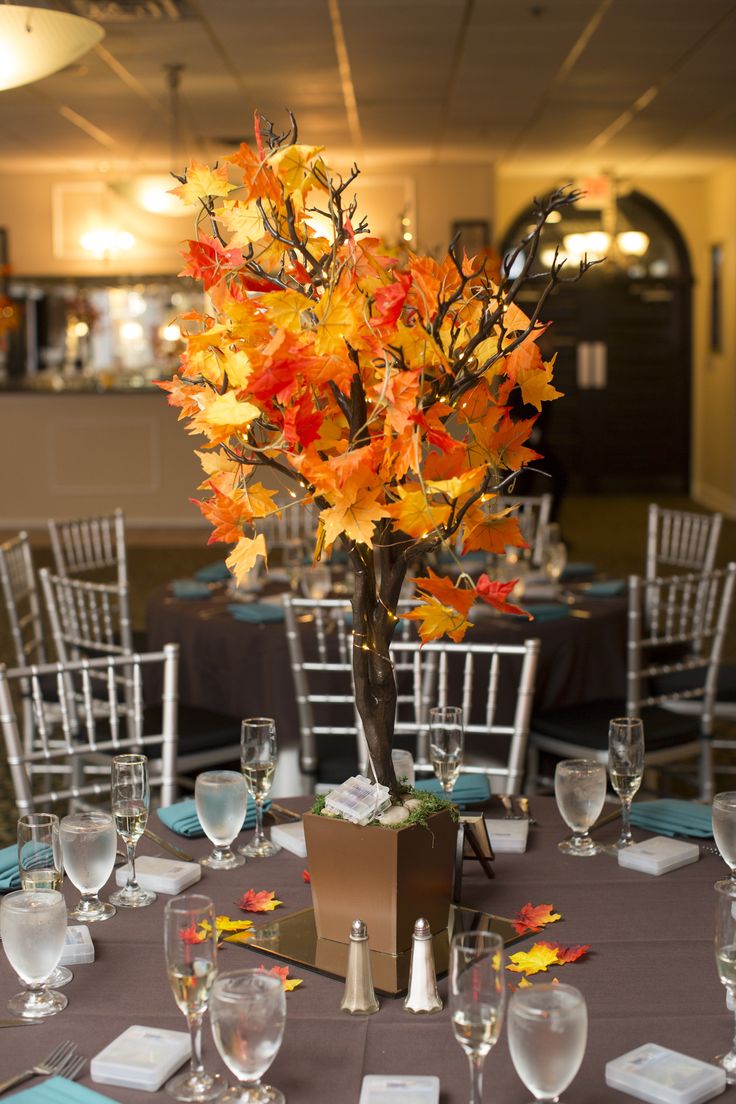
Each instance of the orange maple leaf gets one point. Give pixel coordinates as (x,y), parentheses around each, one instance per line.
(495,594)
(444,589)
(355,509)
(283,973)
(531,918)
(414,515)
(436,620)
(567,954)
(493,532)
(306,876)
(263,900)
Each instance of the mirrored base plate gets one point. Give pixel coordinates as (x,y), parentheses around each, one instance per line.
(294,939)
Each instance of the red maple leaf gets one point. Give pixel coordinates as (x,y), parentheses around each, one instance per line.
(495,594)
(532,918)
(263,900)
(568,954)
(208,261)
(306,876)
(389,301)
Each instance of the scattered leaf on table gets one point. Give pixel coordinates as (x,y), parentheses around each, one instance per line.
(283,973)
(537,958)
(238,937)
(262,901)
(238,929)
(306,876)
(531,918)
(567,954)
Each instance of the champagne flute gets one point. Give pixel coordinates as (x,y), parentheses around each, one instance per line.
(477,994)
(88,846)
(548,1030)
(446,744)
(554,559)
(221,800)
(41,867)
(580,790)
(724,828)
(626,768)
(258,760)
(248,1014)
(33,931)
(131,796)
(190,942)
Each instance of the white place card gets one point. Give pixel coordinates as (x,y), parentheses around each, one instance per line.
(161,875)
(291,838)
(78,946)
(141,1058)
(507,835)
(662,1076)
(658,855)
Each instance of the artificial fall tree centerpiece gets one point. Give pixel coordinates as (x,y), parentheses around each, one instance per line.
(395,397)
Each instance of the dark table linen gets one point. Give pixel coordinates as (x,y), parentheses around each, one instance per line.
(650,976)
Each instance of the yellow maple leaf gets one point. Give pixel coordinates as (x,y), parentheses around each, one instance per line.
(536,386)
(414,515)
(436,620)
(285,309)
(220,469)
(493,532)
(291,983)
(337,323)
(202,181)
(354,511)
(238,937)
(294,165)
(243,221)
(243,557)
(538,958)
(226,410)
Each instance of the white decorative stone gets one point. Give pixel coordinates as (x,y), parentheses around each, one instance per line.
(395,814)
(412,804)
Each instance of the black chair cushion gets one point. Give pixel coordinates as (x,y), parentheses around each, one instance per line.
(199,730)
(690,680)
(587,725)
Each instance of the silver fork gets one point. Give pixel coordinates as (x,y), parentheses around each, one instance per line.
(59,1058)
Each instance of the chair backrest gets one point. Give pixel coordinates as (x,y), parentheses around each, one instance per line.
(494,684)
(295,523)
(89,546)
(20,593)
(681,540)
(87,618)
(533,514)
(81,735)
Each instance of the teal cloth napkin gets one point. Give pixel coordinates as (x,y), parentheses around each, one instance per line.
(182,817)
(470,789)
(9,872)
(189,588)
(257,613)
(215,572)
(59,1090)
(578,571)
(606,588)
(672,817)
(545,611)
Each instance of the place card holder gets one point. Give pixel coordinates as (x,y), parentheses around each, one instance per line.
(473,842)
(663,1076)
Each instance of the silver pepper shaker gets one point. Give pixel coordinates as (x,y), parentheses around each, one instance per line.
(359,998)
(422,997)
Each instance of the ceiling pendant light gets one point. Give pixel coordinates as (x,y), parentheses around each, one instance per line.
(35,42)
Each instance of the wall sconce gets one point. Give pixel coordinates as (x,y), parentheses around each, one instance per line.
(35,42)
(106,242)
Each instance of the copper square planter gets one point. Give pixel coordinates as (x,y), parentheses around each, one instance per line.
(385,876)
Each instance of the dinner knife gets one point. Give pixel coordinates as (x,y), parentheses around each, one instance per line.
(20,1023)
(180,854)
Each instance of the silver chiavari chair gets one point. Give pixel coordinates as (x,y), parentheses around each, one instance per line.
(679,540)
(86,618)
(83,736)
(533,513)
(91,545)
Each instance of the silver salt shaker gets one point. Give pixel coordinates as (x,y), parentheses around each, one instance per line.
(359,998)
(422,997)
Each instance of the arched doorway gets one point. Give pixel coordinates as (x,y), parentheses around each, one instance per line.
(623,341)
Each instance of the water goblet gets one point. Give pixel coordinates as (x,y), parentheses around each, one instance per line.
(41,867)
(33,931)
(548,1030)
(221,800)
(554,560)
(258,760)
(446,744)
(724,828)
(88,846)
(626,768)
(580,790)
(477,995)
(247,1014)
(190,943)
(130,795)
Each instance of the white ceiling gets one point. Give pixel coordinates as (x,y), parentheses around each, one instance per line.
(562,86)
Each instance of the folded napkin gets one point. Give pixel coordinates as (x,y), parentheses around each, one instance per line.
(470,789)
(578,571)
(215,572)
(59,1090)
(9,872)
(606,588)
(544,611)
(182,817)
(672,817)
(189,588)
(257,613)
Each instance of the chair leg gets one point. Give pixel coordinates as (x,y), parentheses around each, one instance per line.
(706,771)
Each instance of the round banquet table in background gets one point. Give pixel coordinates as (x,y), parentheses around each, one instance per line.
(242,669)
(650,976)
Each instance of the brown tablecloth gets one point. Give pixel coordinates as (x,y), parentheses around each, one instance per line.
(650,977)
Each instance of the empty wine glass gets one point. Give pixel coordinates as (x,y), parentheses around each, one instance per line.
(626,768)
(33,931)
(248,1014)
(258,760)
(477,995)
(41,867)
(548,1030)
(190,942)
(724,828)
(88,846)
(580,790)
(446,744)
(725,944)
(130,795)
(221,800)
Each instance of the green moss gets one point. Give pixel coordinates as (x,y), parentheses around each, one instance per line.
(319,804)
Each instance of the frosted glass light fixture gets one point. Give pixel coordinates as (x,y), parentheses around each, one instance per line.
(634,243)
(35,42)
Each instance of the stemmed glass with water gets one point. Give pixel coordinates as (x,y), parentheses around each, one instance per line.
(725,944)
(554,554)
(724,829)
(548,1031)
(446,744)
(248,1014)
(626,768)
(221,799)
(477,997)
(33,931)
(130,795)
(580,790)
(41,866)
(88,846)
(258,760)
